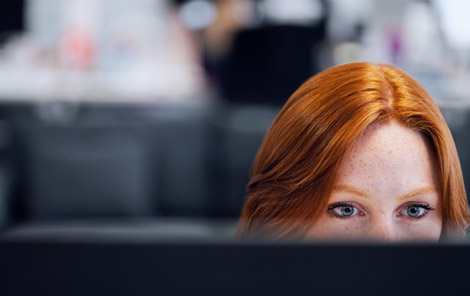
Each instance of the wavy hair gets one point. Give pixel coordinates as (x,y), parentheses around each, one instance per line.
(295,168)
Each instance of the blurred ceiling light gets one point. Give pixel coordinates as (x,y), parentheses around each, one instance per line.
(197,14)
(455,22)
(293,11)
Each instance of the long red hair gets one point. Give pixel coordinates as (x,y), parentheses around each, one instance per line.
(295,168)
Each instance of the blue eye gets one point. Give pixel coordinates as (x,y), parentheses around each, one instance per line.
(343,210)
(417,210)
(346,210)
(414,211)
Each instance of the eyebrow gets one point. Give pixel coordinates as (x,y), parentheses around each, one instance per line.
(351,189)
(354,190)
(417,192)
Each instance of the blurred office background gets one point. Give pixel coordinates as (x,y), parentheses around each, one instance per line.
(124,119)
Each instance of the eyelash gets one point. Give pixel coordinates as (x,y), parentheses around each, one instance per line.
(427,208)
(331,210)
(424,206)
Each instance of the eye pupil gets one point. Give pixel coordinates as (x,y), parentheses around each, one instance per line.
(347,210)
(413,211)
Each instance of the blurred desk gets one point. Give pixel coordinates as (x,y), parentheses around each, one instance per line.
(107,230)
(144,84)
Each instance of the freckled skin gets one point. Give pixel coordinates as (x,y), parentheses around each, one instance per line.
(387,162)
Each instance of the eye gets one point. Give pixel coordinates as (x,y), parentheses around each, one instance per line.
(416,210)
(343,210)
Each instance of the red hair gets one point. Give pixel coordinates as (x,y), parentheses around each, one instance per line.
(295,168)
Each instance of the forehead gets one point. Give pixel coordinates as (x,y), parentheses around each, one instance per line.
(389,137)
(391,151)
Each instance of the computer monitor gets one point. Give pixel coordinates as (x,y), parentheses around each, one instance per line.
(232,268)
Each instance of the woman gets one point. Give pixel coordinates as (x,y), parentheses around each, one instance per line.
(359,151)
